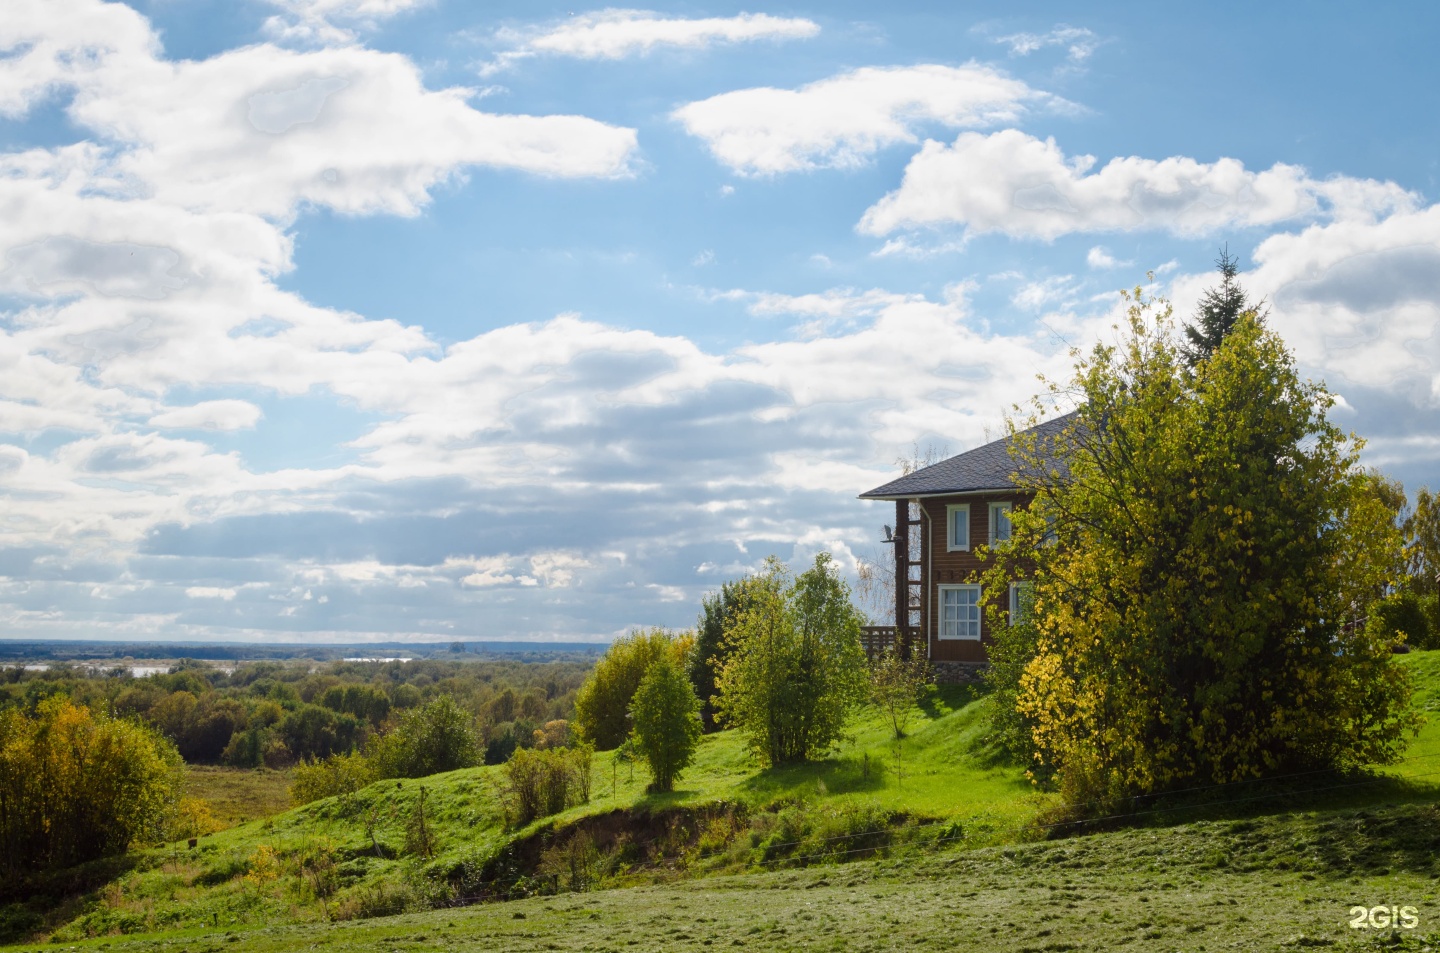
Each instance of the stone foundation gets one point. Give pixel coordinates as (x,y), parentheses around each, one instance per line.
(958,673)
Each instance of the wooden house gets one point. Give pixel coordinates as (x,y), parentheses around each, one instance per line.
(954,507)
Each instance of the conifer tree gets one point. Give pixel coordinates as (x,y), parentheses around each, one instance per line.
(1217,313)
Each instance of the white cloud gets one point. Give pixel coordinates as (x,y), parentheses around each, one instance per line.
(264,130)
(1358,301)
(1037,295)
(1079,42)
(210,415)
(331,21)
(843,121)
(1022,186)
(613,34)
(210,592)
(1099,258)
(47,47)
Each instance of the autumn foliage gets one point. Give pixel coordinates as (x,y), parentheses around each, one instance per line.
(1202,555)
(77,784)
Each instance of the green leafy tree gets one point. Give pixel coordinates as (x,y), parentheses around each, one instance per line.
(430,739)
(1422,543)
(796,669)
(666,715)
(717,613)
(1214,540)
(1402,614)
(602,706)
(1220,308)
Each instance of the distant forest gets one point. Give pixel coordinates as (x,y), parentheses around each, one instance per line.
(276,713)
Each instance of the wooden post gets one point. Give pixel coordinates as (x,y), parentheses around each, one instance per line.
(902,578)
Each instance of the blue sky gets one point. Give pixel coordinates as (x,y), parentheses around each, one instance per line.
(378,319)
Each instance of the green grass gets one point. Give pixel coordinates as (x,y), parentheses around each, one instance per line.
(957,825)
(1279,883)
(237,795)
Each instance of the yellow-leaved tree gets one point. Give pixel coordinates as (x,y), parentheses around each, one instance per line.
(77,784)
(1200,550)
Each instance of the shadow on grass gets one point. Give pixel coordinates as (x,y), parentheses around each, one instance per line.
(845,775)
(31,904)
(941,700)
(1327,822)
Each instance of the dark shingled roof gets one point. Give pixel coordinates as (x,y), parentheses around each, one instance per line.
(989,467)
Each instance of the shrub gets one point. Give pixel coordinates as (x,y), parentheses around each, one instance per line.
(602,706)
(541,783)
(77,784)
(796,669)
(1402,614)
(896,686)
(342,774)
(1194,565)
(666,714)
(434,738)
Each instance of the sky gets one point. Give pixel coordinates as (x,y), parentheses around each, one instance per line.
(356,320)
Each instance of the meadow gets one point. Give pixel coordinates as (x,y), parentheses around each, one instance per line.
(950,846)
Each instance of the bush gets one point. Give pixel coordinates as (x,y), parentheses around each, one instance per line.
(342,774)
(666,714)
(541,783)
(434,738)
(796,669)
(77,784)
(1402,614)
(602,706)
(506,737)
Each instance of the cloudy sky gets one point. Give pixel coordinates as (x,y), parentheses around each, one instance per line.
(424,319)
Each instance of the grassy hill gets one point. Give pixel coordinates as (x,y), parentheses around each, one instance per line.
(958,827)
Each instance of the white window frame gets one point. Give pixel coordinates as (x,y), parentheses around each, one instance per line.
(940,613)
(1015,589)
(951,544)
(999,508)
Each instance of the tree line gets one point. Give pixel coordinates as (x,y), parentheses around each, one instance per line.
(276,714)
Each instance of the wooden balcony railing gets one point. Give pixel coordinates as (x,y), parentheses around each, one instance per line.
(875,639)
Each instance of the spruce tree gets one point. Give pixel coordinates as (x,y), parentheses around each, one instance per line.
(1218,311)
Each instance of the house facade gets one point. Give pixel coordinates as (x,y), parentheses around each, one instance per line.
(944,514)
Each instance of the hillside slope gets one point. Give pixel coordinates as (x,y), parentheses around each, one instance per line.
(1280,883)
(347,858)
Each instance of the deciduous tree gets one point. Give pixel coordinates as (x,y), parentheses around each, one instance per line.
(602,706)
(796,669)
(1214,542)
(666,715)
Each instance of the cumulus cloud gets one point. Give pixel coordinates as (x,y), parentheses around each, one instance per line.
(1099,258)
(1359,301)
(613,34)
(210,415)
(1016,184)
(844,120)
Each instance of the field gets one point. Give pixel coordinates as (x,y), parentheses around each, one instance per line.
(952,851)
(237,795)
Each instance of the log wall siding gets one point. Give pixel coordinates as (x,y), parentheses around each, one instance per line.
(942,567)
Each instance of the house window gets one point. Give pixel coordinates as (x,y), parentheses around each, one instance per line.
(1020,595)
(957,526)
(959,612)
(999,522)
